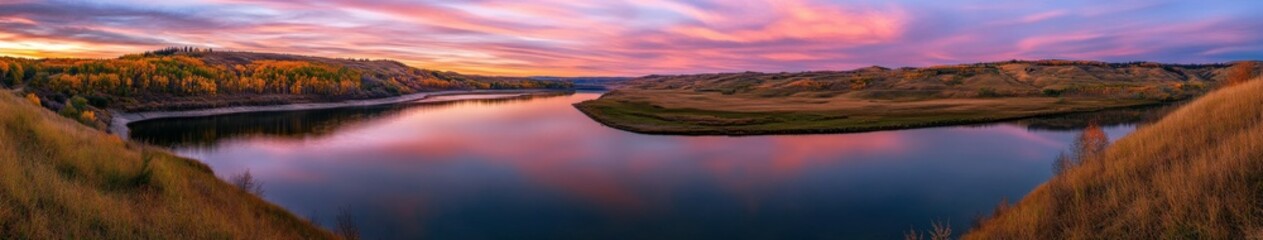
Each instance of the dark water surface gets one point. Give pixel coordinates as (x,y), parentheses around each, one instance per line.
(537,168)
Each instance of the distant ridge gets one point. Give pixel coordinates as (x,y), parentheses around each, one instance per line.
(879,98)
(586,83)
(1006,78)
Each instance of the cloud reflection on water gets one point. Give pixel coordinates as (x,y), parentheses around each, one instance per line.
(539,169)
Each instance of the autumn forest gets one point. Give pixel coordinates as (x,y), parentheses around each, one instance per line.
(183,72)
(80,88)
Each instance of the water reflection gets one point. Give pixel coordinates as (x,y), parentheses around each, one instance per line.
(538,169)
(1141,115)
(206,132)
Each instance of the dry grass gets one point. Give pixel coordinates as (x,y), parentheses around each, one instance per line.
(995,79)
(1198,173)
(61,180)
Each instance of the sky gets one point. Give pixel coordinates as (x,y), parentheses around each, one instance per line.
(641,37)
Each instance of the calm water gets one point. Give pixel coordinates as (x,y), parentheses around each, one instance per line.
(538,169)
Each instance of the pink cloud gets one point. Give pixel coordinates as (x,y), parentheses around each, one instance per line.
(627,37)
(801,20)
(1040,17)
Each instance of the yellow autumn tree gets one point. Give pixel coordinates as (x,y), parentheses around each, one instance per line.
(16,73)
(1090,144)
(34,99)
(4,72)
(87,116)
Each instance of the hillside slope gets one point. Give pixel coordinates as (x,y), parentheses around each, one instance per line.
(61,180)
(1197,173)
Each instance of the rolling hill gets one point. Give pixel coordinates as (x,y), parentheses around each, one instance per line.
(877,98)
(1012,78)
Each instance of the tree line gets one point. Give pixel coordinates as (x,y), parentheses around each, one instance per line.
(177,75)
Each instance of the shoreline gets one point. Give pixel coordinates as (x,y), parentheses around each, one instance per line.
(120,120)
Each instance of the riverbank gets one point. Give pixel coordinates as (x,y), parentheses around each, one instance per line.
(120,120)
(699,113)
(1195,174)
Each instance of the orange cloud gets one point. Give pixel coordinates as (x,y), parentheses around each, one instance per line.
(808,21)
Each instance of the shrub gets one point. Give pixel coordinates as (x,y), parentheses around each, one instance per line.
(69,111)
(1062,163)
(79,102)
(98,101)
(87,116)
(1090,144)
(77,108)
(33,98)
(246,182)
(346,226)
(938,231)
(987,92)
(1051,92)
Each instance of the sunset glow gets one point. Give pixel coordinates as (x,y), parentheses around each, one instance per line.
(632,38)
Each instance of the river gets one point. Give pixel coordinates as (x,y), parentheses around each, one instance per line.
(536,168)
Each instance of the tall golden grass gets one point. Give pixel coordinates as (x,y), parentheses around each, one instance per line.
(1197,173)
(62,180)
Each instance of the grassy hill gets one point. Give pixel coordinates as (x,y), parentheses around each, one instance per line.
(1195,174)
(62,180)
(877,98)
(996,79)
